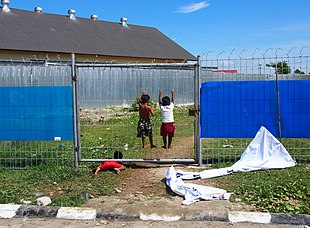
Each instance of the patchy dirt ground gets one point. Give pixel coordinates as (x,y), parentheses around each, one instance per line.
(182,148)
(142,190)
(148,180)
(142,187)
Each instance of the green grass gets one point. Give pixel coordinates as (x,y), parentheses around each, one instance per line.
(278,191)
(114,127)
(221,150)
(120,129)
(66,186)
(51,172)
(19,154)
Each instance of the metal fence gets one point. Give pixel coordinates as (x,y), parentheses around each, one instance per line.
(105,110)
(109,111)
(20,153)
(106,106)
(256,65)
(102,86)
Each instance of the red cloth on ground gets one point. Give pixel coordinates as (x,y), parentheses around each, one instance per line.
(109,165)
(167,129)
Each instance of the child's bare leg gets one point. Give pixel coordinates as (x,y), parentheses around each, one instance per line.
(151,142)
(169,142)
(165,142)
(143,142)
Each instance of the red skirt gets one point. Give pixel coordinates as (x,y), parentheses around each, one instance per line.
(167,129)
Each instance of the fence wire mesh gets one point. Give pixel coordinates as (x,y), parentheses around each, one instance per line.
(16,154)
(254,65)
(109,110)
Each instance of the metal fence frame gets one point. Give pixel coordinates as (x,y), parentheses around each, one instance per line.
(196,70)
(253,65)
(18,154)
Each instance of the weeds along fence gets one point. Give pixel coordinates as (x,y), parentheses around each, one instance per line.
(272,65)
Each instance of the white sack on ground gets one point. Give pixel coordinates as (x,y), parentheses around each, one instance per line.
(264,152)
(193,192)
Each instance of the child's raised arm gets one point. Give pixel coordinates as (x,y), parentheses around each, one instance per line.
(159,97)
(139,98)
(172,96)
(152,111)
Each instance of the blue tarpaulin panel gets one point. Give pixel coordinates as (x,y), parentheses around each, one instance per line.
(238,109)
(36,113)
(295,108)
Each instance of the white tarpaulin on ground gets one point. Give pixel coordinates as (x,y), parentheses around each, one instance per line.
(193,192)
(264,152)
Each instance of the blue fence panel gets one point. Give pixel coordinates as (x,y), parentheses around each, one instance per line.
(295,108)
(36,113)
(237,109)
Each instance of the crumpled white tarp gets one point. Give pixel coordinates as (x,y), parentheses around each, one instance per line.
(193,192)
(264,152)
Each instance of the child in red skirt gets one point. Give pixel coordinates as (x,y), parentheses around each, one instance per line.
(167,127)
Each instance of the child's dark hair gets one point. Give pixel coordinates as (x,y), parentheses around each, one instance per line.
(118,155)
(145,98)
(166,101)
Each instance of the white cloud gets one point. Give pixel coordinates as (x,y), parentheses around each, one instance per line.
(193,7)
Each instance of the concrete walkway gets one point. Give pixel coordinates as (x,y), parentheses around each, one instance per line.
(167,209)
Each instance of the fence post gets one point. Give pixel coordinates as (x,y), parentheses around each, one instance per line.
(75,112)
(279,107)
(197,140)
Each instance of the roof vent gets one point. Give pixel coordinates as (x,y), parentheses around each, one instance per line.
(5,5)
(38,9)
(71,13)
(123,21)
(93,17)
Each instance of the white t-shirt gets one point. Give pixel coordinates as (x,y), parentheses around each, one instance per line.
(167,113)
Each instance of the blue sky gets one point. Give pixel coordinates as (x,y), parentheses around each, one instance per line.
(202,26)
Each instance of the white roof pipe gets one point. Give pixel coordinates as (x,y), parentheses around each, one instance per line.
(71,13)
(93,17)
(38,9)
(123,21)
(5,5)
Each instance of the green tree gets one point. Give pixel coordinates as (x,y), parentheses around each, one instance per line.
(280,67)
(297,71)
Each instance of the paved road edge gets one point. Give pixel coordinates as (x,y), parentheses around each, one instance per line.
(14,211)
